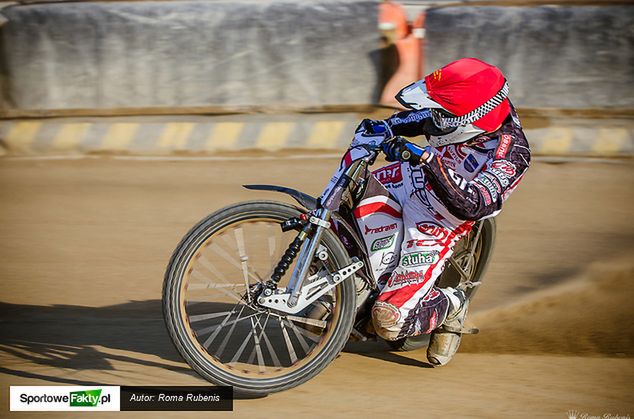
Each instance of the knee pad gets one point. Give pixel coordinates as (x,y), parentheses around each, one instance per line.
(385,317)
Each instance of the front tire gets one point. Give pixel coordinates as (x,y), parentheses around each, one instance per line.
(221,332)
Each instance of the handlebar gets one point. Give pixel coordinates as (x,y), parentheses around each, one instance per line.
(405,155)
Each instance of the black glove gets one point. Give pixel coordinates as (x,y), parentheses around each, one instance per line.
(399,149)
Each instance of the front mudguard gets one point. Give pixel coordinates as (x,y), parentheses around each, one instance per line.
(304,200)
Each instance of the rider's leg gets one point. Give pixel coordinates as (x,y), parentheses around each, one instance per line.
(409,304)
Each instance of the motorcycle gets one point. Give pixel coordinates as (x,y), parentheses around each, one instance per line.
(263,295)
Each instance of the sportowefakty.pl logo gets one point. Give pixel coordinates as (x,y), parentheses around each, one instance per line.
(64,398)
(82,398)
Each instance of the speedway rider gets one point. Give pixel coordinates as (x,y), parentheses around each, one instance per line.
(415,211)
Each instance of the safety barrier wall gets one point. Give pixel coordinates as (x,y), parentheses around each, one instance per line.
(227,54)
(124,57)
(554,56)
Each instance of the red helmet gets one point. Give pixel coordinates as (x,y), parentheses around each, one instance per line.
(466,92)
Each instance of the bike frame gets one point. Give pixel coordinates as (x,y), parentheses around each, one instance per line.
(350,180)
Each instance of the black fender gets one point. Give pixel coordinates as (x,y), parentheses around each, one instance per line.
(305,200)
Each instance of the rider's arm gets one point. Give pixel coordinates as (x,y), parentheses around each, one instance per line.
(482,196)
(408,123)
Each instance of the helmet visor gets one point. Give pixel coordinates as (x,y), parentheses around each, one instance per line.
(415,97)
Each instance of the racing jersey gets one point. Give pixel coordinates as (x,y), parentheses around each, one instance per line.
(474,178)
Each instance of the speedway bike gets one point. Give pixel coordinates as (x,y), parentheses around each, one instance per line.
(263,295)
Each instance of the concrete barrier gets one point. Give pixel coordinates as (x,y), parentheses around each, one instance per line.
(274,54)
(554,56)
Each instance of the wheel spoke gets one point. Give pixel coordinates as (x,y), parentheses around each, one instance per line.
(274,237)
(239,243)
(201,317)
(258,349)
(312,322)
(276,360)
(210,285)
(474,245)
(214,271)
(300,338)
(223,254)
(217,328)
(276,247)
(224,342)
(458,268)
(256,320)
(244,258)
(251,357)
(229,294)
(241,348)
(289,344)
(308,333)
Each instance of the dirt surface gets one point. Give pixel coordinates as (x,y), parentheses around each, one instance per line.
(85,243)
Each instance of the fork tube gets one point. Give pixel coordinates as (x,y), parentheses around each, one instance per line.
(304,260)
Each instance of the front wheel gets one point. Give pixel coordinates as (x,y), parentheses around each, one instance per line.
(215,322)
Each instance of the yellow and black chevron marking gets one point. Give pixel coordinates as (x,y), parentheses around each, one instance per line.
(212,134)
(37,136)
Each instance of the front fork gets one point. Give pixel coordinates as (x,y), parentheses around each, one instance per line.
(308,240)
(321,221)
(311,234)
(306,244)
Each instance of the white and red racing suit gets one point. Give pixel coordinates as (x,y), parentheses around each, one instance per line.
(412,216)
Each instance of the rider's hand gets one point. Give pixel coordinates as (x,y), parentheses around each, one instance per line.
(371,132)
(399,149)
(373,126)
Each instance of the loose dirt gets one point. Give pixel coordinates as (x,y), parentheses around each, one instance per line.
(85,243)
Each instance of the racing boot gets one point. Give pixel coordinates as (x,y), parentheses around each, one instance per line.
(445,340)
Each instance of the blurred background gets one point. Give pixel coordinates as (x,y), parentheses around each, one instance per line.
(311,67)
(122,123)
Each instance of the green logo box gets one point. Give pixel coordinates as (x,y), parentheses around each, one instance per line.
(85,398)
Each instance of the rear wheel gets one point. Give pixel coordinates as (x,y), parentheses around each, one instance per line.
(468,263)
(217,326)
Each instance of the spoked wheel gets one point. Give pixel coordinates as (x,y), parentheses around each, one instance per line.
(468,264)
(216,324)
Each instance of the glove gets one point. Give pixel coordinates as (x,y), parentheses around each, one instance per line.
(373,126)
(399,149)
(371,132)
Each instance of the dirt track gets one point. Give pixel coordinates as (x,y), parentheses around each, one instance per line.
(85,244)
